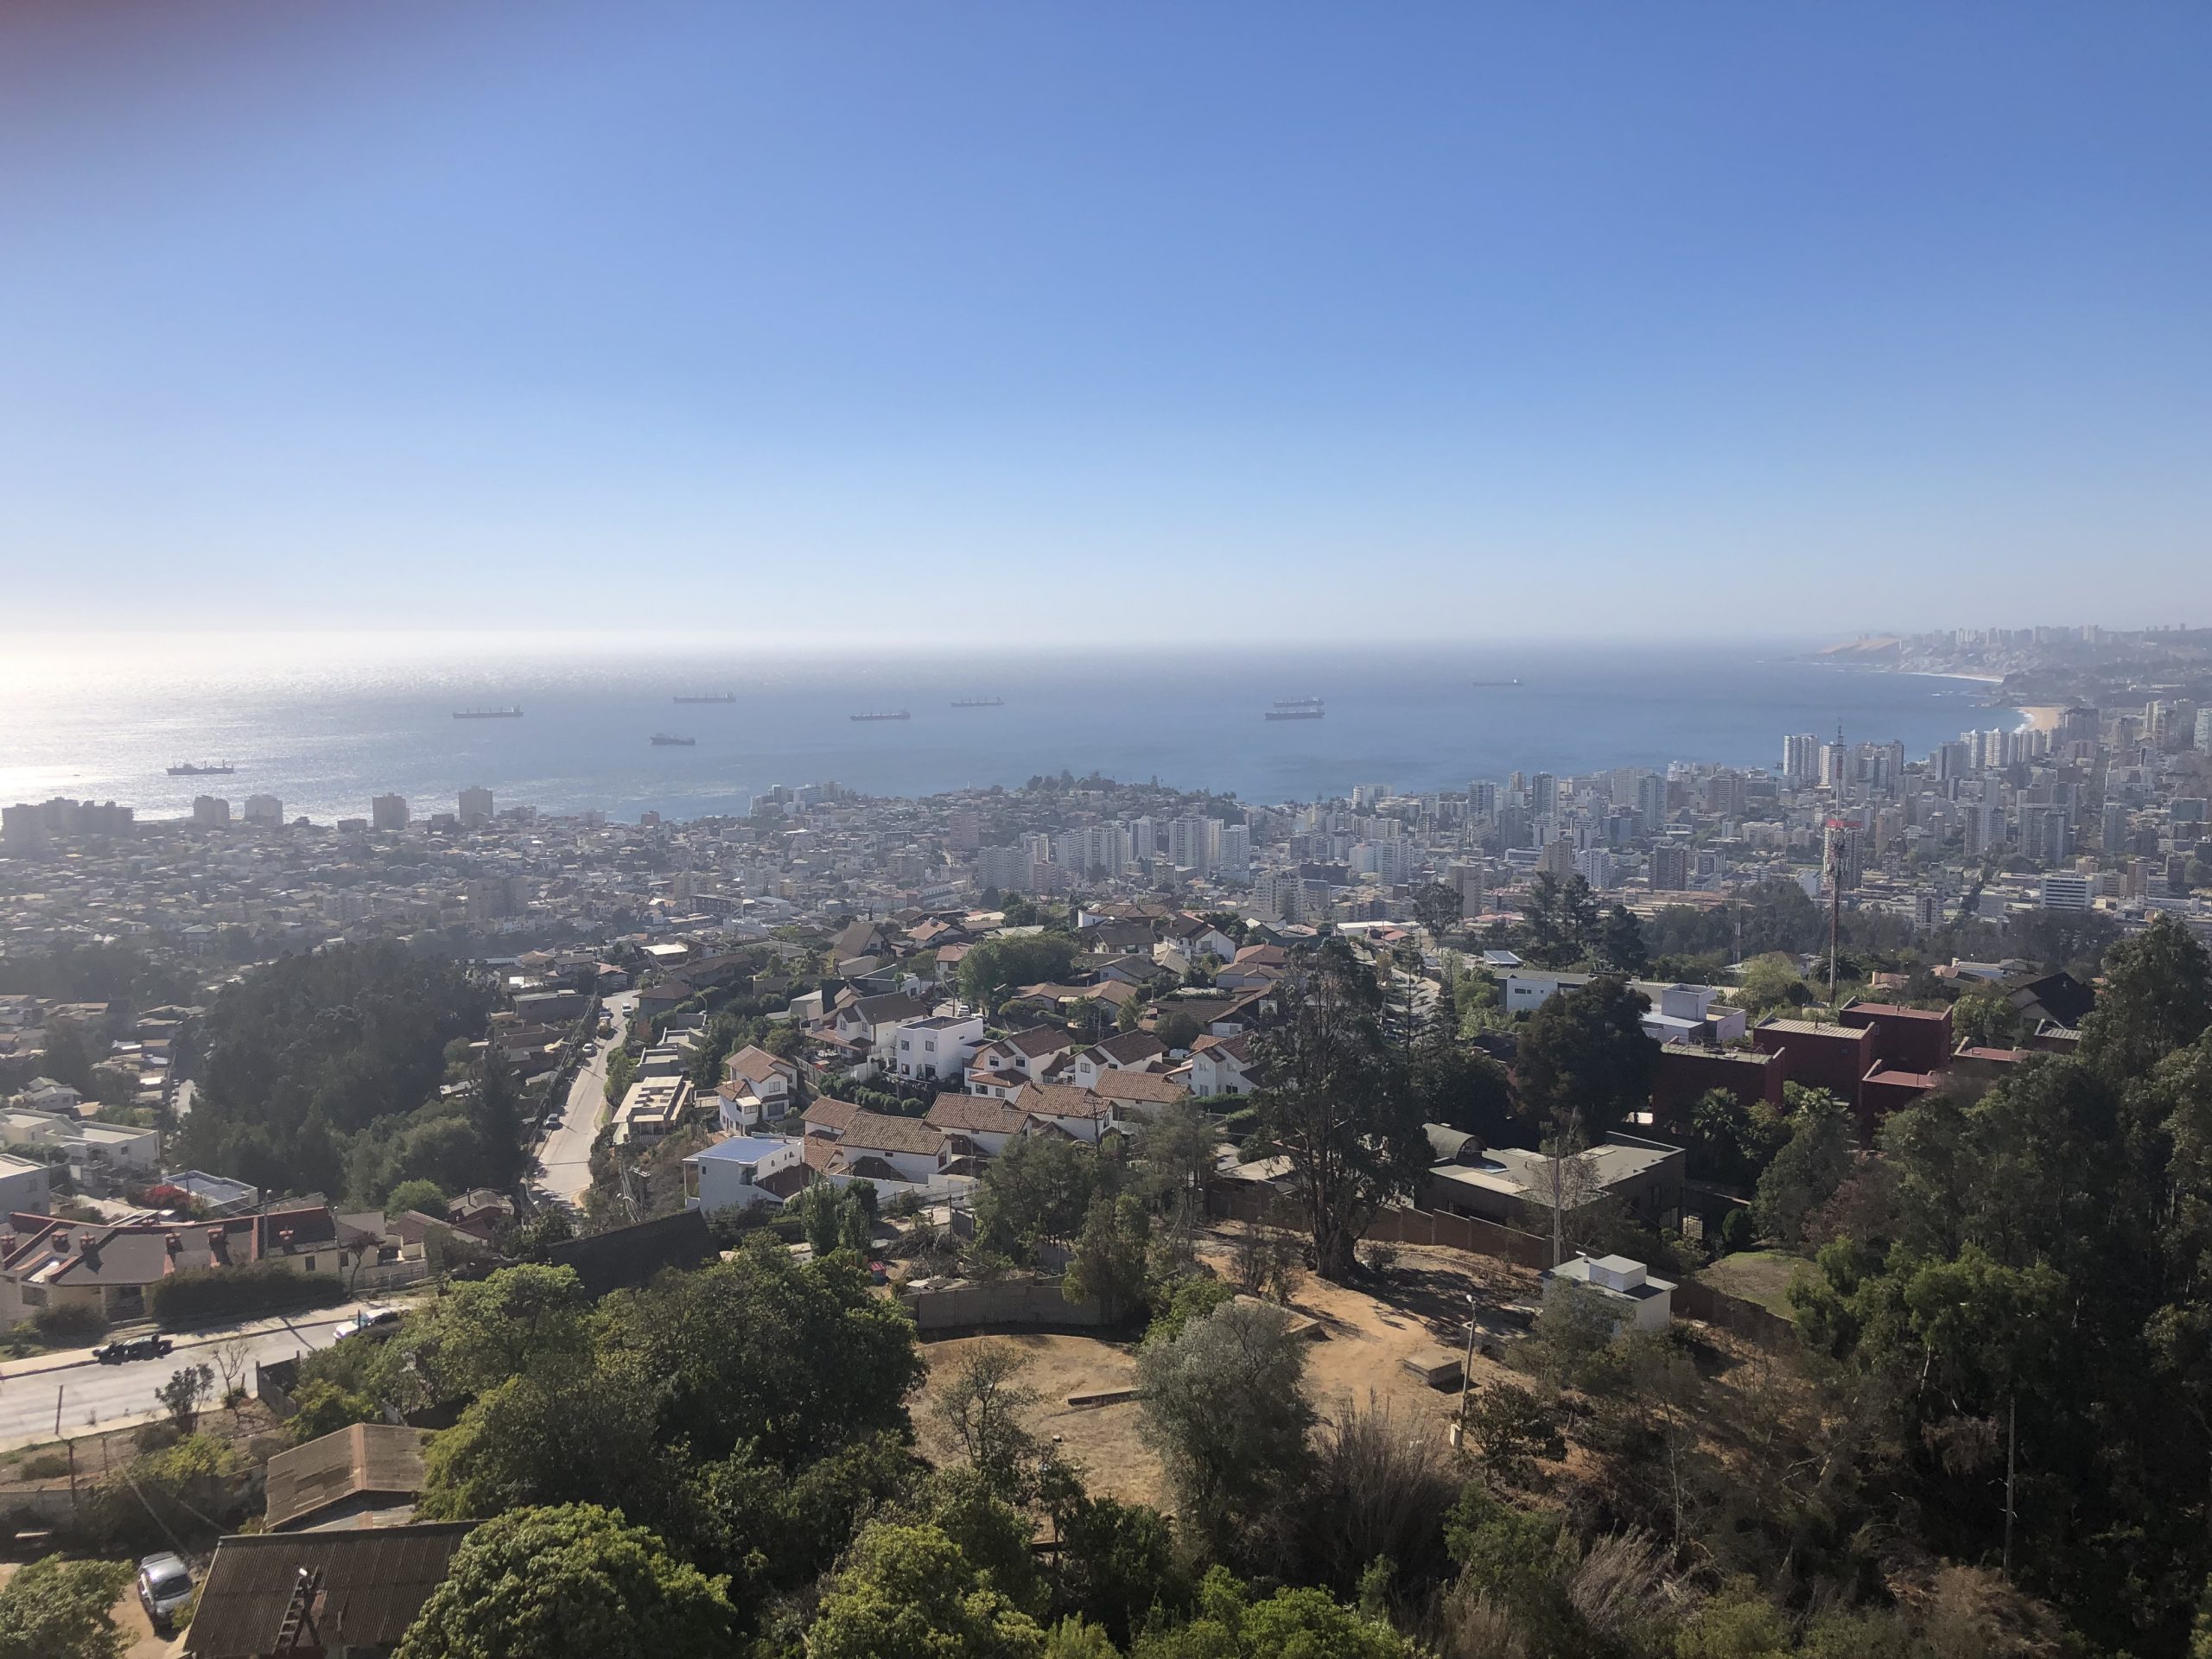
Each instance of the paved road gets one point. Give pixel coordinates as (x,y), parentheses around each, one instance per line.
(112,1396)
(565,1158)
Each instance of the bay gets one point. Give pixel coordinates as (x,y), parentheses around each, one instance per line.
(323,722)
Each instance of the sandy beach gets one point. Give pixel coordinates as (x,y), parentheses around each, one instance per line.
(2041,716)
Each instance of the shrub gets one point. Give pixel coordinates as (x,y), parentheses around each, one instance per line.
(325,1407)
(203,1295)
(68,1326)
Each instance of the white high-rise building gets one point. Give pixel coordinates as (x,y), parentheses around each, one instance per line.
(1235,850)
(264,810)
(475,805)
(1800,758)
(388,812)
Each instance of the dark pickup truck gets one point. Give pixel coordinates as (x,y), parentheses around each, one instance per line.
(115,1353)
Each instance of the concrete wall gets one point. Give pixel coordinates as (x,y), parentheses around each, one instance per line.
(999,1302)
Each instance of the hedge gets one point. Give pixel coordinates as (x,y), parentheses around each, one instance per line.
(202,1295)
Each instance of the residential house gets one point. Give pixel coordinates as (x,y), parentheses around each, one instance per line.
(1030,1056)
(653,1108)
(757,1087)
(1221,1066)
(936,1048)
(743,1171)
(47,1261)
(1126,1051)
(1515,1187)
(1135,1095)
(1067,1108)
(368,1475)
(350,1593)
(875,1147)
(978,1125)
(870,1025)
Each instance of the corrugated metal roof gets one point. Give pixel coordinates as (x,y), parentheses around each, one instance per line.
(373,1584)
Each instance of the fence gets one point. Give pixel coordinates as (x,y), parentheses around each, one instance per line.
(971,1305)
(1474,1236)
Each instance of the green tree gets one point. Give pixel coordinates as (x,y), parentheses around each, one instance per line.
(1039,1190)
(1303,1623)
(1619,945)
(909,1593)
(1808,1167)
(1108,1260)
(621,1072)
(1561,917)
(1338,1104)
(482,1332)
(63,1610)
(1437,907)
(997,965)
(1770,982)
(573,1580)
(325,1407)
(1224,1404)
(2156,998)
(981,1410)
(416,1195)
(1118,1563)
(1584,1063)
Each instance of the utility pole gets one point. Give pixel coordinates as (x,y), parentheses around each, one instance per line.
(2011,1467)
(1467,1369)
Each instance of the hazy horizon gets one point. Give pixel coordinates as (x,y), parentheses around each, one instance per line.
(847,323)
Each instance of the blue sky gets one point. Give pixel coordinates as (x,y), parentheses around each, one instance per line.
(1103,322)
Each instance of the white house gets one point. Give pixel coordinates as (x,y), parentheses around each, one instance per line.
(1528,989)
(1078,1113)
(938,1046)
(45,1095)
(1221,1065)
(741,1171)
(1031,1056)
(976,1125)
(757,1087)
(1639,1301)
(1691,1014)
(654,1107)
(874,1021)
(881,1148)
(1128,1051)
(25,1186)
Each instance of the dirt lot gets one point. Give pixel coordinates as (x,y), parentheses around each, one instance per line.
(1361,1334)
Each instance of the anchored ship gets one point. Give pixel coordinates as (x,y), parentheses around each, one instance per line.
(979,702)
(1298,702)
(488,714)
(895,714)
(663,740)
(710,696)
(209,769)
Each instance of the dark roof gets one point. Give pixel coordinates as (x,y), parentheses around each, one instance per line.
(374,1582)
(2060,996)
(632,1256)
(366,1458)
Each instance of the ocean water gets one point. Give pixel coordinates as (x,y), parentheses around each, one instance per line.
(324,723)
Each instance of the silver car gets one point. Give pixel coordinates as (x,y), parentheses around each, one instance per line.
(164,1586)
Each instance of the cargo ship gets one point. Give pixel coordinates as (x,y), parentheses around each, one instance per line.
(1298,702)
(488,714)
(979,702)
(210,769)
(895,714)
(710,696)
(663,740)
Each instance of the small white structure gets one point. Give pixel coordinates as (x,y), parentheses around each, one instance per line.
(25,1186)
(1640,1302)
(737,1171)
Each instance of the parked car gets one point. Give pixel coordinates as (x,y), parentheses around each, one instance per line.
(368,1319)
(125,1348)
(164,1586)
